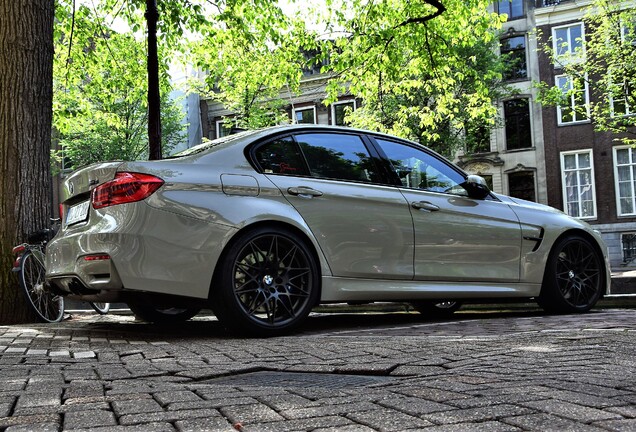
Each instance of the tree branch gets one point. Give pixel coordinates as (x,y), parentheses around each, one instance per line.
(421,20)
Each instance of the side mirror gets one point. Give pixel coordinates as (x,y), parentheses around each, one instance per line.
(476,187)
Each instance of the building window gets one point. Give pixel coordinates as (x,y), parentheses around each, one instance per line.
(517,118)
(567,42)
(577,175)
(512,8)
(521,185)
(628,242)
(576,100)
(620,96)
(305,115)
(339,111)
(477,138)
(628,31)
(223,128)
(513,51)
(625,179)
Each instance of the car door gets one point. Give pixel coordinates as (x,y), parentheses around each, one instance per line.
(364,228)
(457,238)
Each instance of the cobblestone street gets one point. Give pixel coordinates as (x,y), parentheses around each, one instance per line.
(512,371)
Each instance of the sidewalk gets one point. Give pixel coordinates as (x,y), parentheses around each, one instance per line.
(485,371)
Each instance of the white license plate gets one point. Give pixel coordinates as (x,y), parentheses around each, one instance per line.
(77,213)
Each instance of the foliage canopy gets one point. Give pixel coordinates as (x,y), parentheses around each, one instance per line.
(100,87)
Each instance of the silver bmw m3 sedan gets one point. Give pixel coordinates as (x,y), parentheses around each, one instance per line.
(264,225)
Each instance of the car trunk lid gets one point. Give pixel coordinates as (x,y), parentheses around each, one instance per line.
(81,182)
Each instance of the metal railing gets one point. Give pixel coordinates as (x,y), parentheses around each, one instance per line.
(629,247)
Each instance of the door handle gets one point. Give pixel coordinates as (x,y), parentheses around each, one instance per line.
(304,192)
(424,205)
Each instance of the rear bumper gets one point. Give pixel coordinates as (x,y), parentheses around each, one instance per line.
(150,250)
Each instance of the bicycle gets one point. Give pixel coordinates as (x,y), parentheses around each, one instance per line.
(29,264)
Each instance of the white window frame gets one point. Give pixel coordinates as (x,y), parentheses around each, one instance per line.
(628,109)
(632,163)
(219,127)
(625,30)
(571,55)
(306,108)
(573,101)
(341,102)
(564,183)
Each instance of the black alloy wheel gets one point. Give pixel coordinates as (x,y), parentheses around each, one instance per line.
(574,277)
(268,284)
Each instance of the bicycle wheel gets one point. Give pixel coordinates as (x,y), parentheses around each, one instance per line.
(48,306)
(100,308)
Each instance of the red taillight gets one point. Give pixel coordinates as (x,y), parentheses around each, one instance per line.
(18,250)
(126,187)
(60,208)
(98,257)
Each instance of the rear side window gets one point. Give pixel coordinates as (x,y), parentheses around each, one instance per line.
(281,156)
(338,156)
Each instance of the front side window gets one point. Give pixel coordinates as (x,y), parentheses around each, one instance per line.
(513,51)
(521,185)
(340,110)
(420,170)
(305,115)
(338,156)
(517,119)
(512,8)
(577,174)
(281,156)
(625,179)
(567,42)
(576,100)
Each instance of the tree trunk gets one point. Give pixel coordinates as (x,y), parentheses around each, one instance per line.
(26,94)
(154,99)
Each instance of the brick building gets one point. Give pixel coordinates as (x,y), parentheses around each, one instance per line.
(584,167)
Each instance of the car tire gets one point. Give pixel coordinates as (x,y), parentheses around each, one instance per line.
(574,277)
(162,315)
(436,309)
(267,283)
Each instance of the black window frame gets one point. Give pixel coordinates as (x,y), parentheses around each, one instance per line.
(517,120)
(256,164)
(392,175)
(511,74)
(509,9)
(370,148)
(520,174)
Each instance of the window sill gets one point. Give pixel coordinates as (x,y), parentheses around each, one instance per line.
(519,150)
(574,123)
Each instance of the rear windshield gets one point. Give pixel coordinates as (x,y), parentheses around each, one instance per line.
(207,145)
